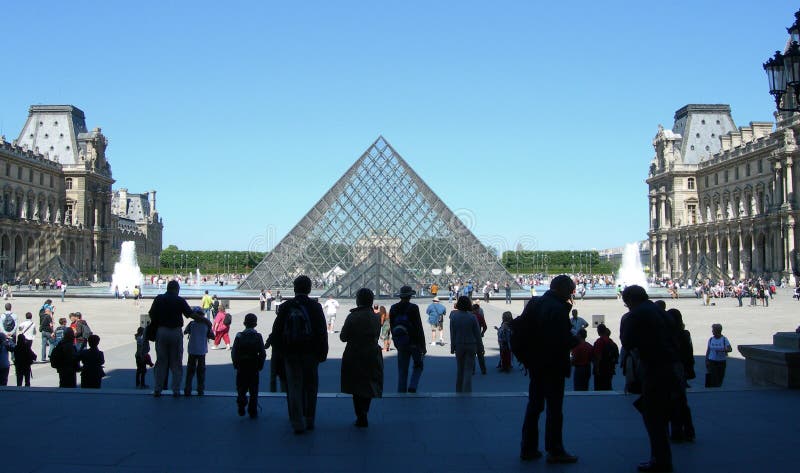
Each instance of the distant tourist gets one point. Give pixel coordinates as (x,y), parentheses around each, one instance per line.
(716,357)
(81,330)
(386,329)
(299,334)
(465,342)
(63,290)
(362,363)
(477,311)
(27,328)
(9,323)
(46,331)
(64,359)
(581,363)
(200,332)
(248,357)
(436,313)
(331,306)
(269,300)
(222,327)
(92,361)
(167,312)
(409,339)
(647,329)
(24,357)
(262,300)
(6,346)
(547,331)
(576,322)
(205,304)
(605,357)
(504,341)
(142,358)
(507,287)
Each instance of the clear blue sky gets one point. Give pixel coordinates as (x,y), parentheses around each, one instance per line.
(536,117)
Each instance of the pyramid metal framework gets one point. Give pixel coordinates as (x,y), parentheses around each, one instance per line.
(380,226)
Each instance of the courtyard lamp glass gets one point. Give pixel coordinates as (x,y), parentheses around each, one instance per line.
(791,64)
(794,30)
(775,76)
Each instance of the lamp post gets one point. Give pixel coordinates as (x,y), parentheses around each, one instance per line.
(783,72)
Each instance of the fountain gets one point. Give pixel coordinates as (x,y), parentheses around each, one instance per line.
(631,272)
(127,273)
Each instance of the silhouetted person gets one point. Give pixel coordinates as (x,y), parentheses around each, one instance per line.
(64,358)
(92,361)
(248,355)
(167,313)
(408,338)
(649,330)
(681,424)
(548,333)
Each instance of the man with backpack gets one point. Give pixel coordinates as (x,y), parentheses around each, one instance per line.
(300,335)
(8,323)
(542,339)
(409,339)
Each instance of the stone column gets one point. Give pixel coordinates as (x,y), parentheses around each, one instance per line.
(652,212)
(791,256)
(778,181)
(789,181)
(741,252)
(662,211)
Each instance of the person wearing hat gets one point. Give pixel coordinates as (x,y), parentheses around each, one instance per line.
(200,332)
(362,362)
(248,355)
(409,339)
(436,313)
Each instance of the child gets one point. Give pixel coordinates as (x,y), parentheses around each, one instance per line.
(504,342)
(23,359)
(199,331)
(142,358)
(92,360)
(248,357)
(64,358)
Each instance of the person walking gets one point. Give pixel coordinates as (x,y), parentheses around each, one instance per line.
(331,306)
(200,332)
(436,313)
(167,312)
(546,331)
(466,341)
(648,330)
(299,334)
(222,328)
(409,340)
(362,363)
(205,304)
(716,357)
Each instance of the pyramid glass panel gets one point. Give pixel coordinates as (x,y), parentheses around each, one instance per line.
(358,237)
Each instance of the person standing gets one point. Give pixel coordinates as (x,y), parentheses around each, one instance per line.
(27,328)
(262,300)
(386,334)
(248,355)
(46,331)
(92,361)
(716,357)
(581,363)
(605,355)
(507,287)
(269,300)
(200,332)
(299,334)
(409,340)
(205,304)
(8,323)
(546,330)
(81,330)
(648,330)
(24,357)
(64,359)
(63,290)
(576,322)
(331,306)
(167,312)
(362,363)
(6,346)
(681,423)
(466,341)
(436,313)
(477,311)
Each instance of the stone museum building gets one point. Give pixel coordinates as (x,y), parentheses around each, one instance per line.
(58,214)
(722,200)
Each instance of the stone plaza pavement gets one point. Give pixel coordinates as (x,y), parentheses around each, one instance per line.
(740,427)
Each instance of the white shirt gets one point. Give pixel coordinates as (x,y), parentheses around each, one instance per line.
(330,306)
(718,348)
(27,329)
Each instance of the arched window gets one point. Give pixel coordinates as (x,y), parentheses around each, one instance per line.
(68,183)
(690,183)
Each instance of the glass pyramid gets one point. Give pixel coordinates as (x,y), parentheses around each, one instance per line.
(380,226)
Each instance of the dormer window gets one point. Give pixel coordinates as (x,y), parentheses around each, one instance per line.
(690,183)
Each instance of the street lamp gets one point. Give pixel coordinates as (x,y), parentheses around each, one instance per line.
(783,71)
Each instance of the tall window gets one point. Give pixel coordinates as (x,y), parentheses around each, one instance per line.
(68,183)
(692,213)
(68,214)
(690,183)
(760,166)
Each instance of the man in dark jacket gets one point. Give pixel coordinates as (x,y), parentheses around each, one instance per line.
(409,339)
(550,339)
(300,335)
(648,329)
(167,314)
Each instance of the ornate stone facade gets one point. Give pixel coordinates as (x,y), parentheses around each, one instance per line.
(722,197)
(56,197)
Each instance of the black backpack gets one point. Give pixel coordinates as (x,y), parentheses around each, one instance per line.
(248,347)
(401,333)
(228,320)
(86,332)
(522,330)
(45,322)
(8,323)
(610,357)
(297,326)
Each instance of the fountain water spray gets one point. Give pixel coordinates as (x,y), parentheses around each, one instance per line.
(127,273)
(631,272)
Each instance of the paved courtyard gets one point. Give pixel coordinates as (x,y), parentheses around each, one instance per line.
(740,428)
